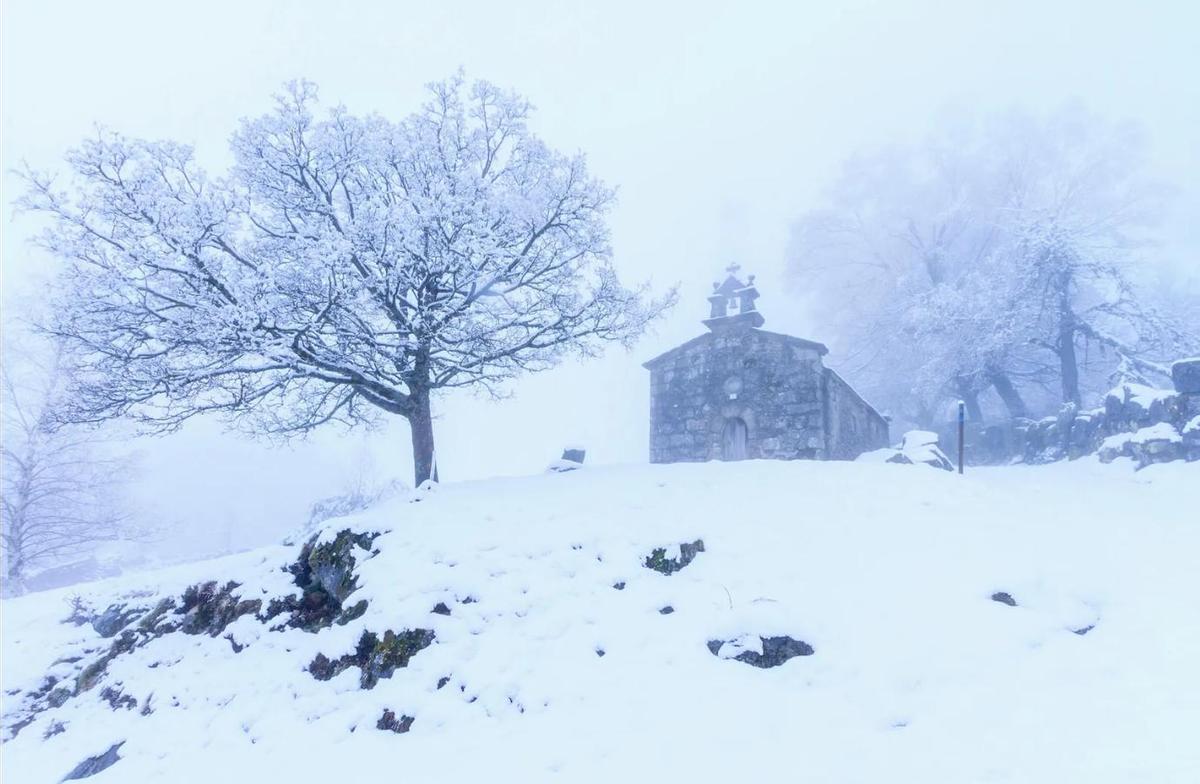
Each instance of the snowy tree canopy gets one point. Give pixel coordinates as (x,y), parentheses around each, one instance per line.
(1003,257)
(346,265)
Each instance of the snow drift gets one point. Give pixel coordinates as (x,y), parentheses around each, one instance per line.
(718,622)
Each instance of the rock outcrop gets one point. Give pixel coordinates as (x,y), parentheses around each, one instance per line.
(324,574)
(375,657)
(93,765)
(668,563)
(761,652)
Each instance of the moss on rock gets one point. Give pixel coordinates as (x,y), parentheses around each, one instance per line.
(91,674)
(152,622)
(325,574)
(377,658)
(208,609)
(330,565)
(659,562)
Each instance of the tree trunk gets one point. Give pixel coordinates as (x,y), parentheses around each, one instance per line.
(1009,394)
(1068,362)
(14,582)
(970,397)
(420,421)
(1069,366)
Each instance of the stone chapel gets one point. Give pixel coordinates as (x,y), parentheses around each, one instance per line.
(739,392)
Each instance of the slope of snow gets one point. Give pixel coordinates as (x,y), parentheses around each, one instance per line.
(887,571)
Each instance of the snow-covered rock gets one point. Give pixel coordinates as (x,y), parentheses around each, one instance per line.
(479,634)
(1137,405)
(1159,443)
(761,652)
(917,447)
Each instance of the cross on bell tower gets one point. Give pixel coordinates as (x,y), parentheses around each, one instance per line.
(732,302)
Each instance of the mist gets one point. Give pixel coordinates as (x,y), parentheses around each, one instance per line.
(719,125)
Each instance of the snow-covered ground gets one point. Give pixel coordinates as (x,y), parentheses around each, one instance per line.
(887,571)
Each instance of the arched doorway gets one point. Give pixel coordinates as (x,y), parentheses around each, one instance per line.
(733,440)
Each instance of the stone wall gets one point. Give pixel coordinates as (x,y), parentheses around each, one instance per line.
(770,381)
(1146,424)
(853,426)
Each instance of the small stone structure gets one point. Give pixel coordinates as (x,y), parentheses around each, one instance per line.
(741,392)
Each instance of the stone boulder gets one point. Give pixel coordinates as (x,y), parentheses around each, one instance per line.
(392,723)
(93,765)
(571,460)
(917,447)
(1186,376)
(670,560)
(1004,597)
(761,652)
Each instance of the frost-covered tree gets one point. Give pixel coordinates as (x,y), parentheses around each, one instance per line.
(1076,213)
(901,266)
(346,267)
(60,492)
(997,258)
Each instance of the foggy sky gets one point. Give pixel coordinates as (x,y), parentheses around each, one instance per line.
(718,122)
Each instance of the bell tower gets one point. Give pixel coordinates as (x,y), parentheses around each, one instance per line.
(732,303)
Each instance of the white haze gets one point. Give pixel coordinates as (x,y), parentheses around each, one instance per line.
(720,123)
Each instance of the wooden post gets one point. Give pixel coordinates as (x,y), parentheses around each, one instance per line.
(962,417)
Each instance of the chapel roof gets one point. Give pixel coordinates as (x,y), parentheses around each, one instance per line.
(732,306)
(820,348)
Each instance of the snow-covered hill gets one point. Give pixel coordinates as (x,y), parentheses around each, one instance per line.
(1022,624)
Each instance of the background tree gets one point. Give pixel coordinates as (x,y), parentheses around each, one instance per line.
(1002,258)
(1078,212)
(61,492)
(345,267)
(896,265)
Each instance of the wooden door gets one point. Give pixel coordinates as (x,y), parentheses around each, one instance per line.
(733,445)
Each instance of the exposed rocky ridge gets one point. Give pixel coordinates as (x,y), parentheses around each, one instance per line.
(323,573)
(325,578)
